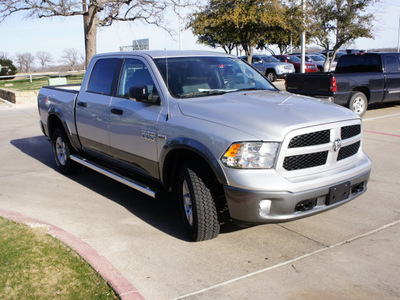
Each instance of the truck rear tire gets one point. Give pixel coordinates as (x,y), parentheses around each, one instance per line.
(61,152)
(358,103)
(197,203)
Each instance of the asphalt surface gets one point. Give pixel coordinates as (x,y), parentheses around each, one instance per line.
(351,252)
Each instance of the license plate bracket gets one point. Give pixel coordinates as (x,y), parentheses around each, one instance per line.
(338,193)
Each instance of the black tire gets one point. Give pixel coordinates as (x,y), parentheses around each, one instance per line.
(271,76)
(61,151)
(197,203)
(358,103)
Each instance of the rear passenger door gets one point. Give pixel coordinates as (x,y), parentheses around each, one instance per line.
(93,106)
(392,77)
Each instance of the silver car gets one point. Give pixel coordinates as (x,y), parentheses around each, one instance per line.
(271,67)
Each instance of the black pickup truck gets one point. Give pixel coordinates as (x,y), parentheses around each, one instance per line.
(359,79)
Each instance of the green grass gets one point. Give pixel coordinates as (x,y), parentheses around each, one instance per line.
(34,265)
(37,82)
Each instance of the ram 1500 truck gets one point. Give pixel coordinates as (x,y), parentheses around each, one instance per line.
(210,129)
(359,79)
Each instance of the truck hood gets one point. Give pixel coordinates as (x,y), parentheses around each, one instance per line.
(266,115)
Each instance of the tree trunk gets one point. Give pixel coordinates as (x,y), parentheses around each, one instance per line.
(90,28)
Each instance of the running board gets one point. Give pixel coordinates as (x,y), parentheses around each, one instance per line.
(114,175)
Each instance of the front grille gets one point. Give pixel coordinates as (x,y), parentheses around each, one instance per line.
(310,139)
(350,131)
(348,151)
(303,161)
(314,147)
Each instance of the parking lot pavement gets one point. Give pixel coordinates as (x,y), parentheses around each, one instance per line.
(351,252)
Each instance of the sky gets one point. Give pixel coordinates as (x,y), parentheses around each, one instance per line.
(19,34)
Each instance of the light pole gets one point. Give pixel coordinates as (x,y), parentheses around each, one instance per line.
(303,40)
(180,25)
(398,38)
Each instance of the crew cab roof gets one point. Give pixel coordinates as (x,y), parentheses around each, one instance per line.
(166,53)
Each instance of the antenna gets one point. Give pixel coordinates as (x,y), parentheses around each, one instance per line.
(167,81)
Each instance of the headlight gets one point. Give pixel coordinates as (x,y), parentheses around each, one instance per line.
(252,155)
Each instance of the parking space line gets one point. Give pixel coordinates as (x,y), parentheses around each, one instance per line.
(382,133)
(288,262)
(382,117)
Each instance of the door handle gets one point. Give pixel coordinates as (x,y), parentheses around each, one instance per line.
(83,104)
(117,111)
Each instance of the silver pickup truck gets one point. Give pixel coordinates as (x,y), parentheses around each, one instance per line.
(211,130)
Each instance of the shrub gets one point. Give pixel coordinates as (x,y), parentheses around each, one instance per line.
(7,68)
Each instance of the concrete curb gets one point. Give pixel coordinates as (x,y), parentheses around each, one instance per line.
(123,288)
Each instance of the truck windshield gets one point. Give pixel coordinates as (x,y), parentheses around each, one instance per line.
(202,76)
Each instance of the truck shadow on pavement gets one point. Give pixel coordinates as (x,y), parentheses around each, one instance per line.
(382,105)
(161,213)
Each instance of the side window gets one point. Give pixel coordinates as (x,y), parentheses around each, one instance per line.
(102,77)
(255,60)
(134,73)
(392,63)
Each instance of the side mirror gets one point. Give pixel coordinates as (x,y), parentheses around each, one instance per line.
(259,62)
(140,93)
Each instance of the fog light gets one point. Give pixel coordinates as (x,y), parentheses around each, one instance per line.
(264,207)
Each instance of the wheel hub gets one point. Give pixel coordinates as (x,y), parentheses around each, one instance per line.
(61,151)
(187,203)
(358,105)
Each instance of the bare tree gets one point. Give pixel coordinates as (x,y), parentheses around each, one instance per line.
(44,58)
(96,13)
(3,55)
(25,61)
(71,58)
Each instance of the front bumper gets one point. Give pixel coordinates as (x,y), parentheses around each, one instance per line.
(284,72)
(257,207)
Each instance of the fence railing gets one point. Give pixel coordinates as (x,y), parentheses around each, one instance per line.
(31,75)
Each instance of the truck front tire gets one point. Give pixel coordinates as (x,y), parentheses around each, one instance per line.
(61,152)
(358,103)
(197,203)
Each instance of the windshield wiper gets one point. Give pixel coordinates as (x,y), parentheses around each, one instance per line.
(252,89)
(203,93)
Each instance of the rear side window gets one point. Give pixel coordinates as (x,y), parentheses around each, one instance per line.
(102,77)
(392,63)
(359,63)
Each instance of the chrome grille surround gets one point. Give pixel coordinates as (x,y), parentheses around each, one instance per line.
(308,151)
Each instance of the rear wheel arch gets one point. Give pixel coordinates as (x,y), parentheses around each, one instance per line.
(361,89)
(53,123)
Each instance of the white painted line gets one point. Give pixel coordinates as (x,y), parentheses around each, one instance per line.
(382,117)
(289,261)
